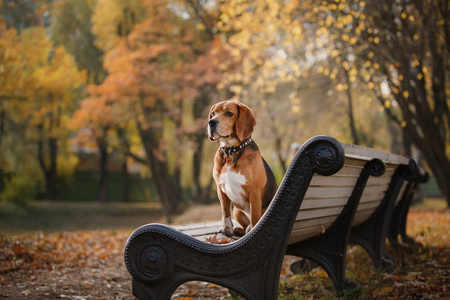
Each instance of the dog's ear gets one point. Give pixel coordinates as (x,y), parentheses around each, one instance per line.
(210,111)
(210,137)
(245,122)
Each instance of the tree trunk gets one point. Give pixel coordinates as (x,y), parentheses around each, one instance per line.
(167,186)
(2,126)
(104,171)
(125,154)
(197,166)
(126,182)
(437,160)
(423,66)
(351,115)
(50,171)
(200,111)
(279,154)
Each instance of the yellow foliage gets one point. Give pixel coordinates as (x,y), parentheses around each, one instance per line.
(346,65)
(335,53)
(120,15)
(387,103)
(405,94)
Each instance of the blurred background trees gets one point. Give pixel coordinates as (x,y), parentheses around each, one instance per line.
(122,89)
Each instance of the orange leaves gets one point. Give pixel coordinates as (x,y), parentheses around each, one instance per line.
(215,240)
(71,249)
(160,59)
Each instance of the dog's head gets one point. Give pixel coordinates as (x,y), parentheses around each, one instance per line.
(231,122)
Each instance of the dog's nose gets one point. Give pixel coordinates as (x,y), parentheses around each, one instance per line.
(213,122)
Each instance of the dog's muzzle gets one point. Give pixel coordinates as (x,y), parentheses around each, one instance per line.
(212,127)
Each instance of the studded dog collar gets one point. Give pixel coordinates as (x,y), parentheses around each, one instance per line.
(235,151)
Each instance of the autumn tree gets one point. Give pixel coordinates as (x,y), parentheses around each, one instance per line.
(395,50)
(401,51)
(283,72)
(39,89)
(161,79)
(71,27)
(22,14)
(99,33)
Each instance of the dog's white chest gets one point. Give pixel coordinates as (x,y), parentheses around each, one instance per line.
(231,184)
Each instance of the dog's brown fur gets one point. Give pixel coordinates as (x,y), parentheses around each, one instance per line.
(242,178)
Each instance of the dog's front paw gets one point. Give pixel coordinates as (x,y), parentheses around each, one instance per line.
(227,227)
(238,231)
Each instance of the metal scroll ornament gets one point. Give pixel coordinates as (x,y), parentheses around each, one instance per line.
(326,158)
(152,262)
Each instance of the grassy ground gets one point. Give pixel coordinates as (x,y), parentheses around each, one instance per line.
(68,216)
(75,250)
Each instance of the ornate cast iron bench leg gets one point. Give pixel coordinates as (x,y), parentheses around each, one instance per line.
(372,234)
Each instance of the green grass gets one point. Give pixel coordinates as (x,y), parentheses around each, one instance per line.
(68,216)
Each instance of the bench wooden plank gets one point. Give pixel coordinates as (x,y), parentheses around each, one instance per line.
(336,181)
(305,214)
(324,202)
(318,192)
(367,154)
(314,222)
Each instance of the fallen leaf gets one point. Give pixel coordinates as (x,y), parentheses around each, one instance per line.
(323,229)
(214,240)
(211,239)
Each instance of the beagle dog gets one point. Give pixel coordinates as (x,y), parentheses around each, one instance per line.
(242,176)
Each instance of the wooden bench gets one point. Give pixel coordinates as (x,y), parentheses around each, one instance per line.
(332,193)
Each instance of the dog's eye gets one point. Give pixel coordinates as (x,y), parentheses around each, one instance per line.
(213,114)
(229,114)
